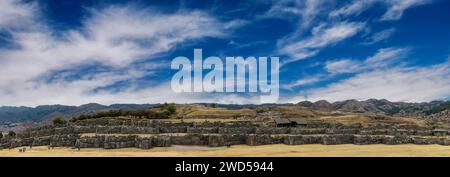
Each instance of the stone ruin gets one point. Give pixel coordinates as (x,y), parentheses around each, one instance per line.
(111,133)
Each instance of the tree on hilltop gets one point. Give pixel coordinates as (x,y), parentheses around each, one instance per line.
(171,108)
(58,121)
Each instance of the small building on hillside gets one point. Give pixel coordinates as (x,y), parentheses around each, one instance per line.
(298,122)
(282,122)
(290,122)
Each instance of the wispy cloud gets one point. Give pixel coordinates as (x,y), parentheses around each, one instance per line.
(383,58)
(337,28)
(322,36)
(380,76)
(397,7)
(379,36)
(394,8)
(125,44)
(385,55)
(355,7)
(305,81)
(342,66)
(305,12)
(115,36)
(14,14)
(415,84)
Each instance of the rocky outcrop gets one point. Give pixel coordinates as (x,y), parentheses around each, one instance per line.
(443,115)
(322,105)
(429,110)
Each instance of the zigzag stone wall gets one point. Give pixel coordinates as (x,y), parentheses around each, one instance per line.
(145,134)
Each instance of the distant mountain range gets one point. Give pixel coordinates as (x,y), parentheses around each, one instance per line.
(434,109)
(47,112)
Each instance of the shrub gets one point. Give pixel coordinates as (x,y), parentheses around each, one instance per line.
(171,108)
(165,111)
(11,133)
(58,121)
(1,135)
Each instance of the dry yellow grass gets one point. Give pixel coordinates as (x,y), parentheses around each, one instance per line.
(221,113)
(365,120)
(346,119)
(201,111)
(294,111)
(200,120)
(279,150)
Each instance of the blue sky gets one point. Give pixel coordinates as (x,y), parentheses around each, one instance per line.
(77,51)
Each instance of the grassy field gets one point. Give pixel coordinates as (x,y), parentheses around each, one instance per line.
(279,150)
(365,120)
(200,111)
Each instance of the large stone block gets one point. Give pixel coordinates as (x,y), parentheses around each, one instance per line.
(203,130)
(337,139)
(237,130)
(161,141)
(272,130)
(256,139)
(307,131)
(303,139)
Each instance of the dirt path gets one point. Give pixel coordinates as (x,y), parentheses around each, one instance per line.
(278,150)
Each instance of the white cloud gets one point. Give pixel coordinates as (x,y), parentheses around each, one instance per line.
(118,36)
(14,14)
(342,66)
(381,77)
(383,58)
(305,11)
(73,93)
(396,84)
(305,81)
(297,47)
(322,36)
(354,8)
(304,14)
(380,36)
(115,37)
(383,55)
(397,7)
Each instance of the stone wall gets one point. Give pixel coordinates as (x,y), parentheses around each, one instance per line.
(214,140)
(145,134)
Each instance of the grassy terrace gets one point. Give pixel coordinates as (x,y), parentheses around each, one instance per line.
(209,113)
(367,120)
